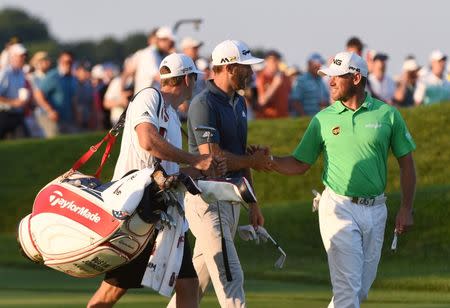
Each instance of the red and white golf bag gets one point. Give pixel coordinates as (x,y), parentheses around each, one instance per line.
(72,229)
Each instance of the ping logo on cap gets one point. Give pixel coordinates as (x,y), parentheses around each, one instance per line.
(337,61)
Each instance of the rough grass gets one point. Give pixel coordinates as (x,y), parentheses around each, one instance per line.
(27,165)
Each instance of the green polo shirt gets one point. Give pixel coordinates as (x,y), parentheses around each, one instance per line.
(355,146)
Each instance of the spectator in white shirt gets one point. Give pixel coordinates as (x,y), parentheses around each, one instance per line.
(381,85)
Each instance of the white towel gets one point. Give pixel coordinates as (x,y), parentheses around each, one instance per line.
(165,262)
(125,194)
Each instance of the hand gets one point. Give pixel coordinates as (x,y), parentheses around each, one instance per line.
(277,80)
(202,162)
(220,165)
(252,148)
(255,216)
(261,160)
(404,220)
(53,115)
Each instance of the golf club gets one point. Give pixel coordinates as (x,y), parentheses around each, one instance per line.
(208,132)
(262,232)
(394,241)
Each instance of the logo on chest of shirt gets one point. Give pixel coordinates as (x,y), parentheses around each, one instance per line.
(336,130)
(165,115)
(243,114)
(373,125)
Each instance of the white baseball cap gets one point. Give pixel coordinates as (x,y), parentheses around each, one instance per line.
(189,42)
(179,65)
(344,63)
(165,33)
(232,51)
(17,49)
(410,65)
(437,55)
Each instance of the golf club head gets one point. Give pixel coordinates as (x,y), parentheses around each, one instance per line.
(394,242)
(280,262)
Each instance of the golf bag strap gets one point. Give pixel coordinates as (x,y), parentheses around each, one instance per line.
(110,138)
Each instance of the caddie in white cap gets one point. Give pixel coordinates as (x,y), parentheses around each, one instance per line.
(354,136)
(222,112)
(152,132)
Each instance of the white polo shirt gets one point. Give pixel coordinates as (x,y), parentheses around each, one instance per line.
(147,107)
(146,61)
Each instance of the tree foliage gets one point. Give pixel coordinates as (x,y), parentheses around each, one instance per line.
(34,34)
(16,22)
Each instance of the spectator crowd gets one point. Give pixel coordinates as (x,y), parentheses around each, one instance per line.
(42,99)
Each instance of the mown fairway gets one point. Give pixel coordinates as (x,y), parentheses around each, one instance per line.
(45,288)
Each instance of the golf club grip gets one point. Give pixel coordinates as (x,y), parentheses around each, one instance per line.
(226,263)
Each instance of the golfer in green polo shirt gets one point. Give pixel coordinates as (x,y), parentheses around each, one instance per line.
(354,135)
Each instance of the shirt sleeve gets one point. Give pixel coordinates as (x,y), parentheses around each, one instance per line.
(419,93)
(401,140)
(3,84)
(144,108)
(201,114)
(311,145)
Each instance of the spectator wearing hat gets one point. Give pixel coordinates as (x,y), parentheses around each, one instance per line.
(14,92)
(273,88)
(191,48)
(310,93)
(381,85)
(433,87)
(41,63)
(354,44)
(55,97)
(406,85)
(4,56)
(144,64)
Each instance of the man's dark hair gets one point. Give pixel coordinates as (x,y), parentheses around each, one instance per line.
(363,81)
(273,53)
(67,52)
(355,42)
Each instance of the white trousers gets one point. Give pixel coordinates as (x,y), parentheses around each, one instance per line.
(207,256)
(352,235)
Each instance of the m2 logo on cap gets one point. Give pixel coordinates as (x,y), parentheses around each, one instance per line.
(336,130)
(337,61)
(228,60)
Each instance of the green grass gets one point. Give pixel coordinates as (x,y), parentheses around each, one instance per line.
(27,165)
(417,275)
(47,288)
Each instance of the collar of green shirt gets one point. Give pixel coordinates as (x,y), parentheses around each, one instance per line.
(368,103)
